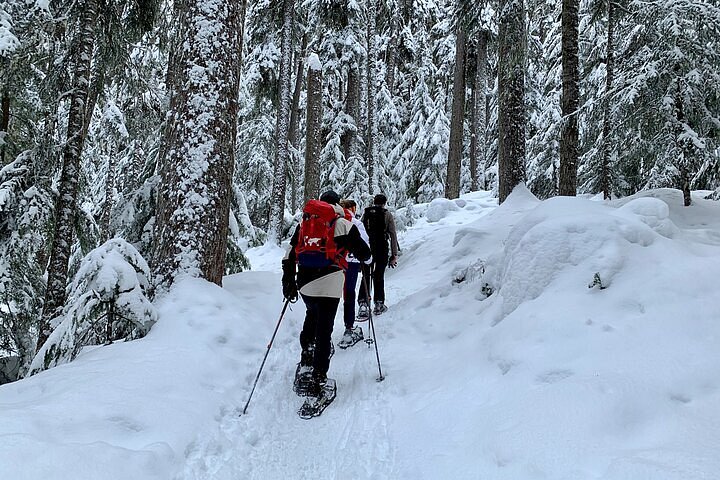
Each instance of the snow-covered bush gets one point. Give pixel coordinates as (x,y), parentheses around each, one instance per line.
(107,302)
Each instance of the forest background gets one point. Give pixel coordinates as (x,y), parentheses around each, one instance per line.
(183,133)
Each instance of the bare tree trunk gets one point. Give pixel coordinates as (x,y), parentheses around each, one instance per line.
(66,203)
(511,91)
(294,120)
(351,108)
(4,124)
(610,74)
(478,137)
(109,189)
(452,181)
(282,155)
(371,89)
(196,166)
(391,56)
(570,99)
(313,139)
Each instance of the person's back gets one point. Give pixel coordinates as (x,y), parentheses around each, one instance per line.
(380,226)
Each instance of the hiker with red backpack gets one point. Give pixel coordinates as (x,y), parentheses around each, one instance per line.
(380,226)
(318,248)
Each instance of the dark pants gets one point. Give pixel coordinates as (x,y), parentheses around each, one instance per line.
(378,278)
(317,329)
(351,276)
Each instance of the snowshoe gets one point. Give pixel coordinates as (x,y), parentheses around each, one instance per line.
(303,383)
(363,313)
(380,308)
(314,406)
(351,337)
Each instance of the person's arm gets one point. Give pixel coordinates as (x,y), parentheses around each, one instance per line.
(353,243)
(289,283)
(392,232)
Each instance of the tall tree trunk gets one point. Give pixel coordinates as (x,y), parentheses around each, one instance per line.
(371,89)
(313,139)
(196,166)
(351,109)
(109,189)
(570,99)
(390,53)
(4,124)
(282,151)
(294,121)
(66,203)
(478,138)
(610,74)
(511,91)
(452,181)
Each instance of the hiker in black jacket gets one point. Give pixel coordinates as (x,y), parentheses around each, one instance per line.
(380,226)
(321,288)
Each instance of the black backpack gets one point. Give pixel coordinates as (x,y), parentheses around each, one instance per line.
(374,221)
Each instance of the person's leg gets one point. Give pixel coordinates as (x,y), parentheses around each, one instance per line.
(379,278)
(308,333)
(326,308)
(363,296)
(351,275)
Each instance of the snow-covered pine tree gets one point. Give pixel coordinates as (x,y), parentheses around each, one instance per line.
(199,144)
(107,302)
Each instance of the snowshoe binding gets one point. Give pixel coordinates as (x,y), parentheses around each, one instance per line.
(351,337)
(315,405)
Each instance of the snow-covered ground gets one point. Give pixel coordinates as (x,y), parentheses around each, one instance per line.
(595,357)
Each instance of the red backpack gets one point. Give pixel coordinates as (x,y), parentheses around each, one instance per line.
(316,246)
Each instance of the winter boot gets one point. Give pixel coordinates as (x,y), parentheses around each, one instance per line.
(351,337)
(380,308)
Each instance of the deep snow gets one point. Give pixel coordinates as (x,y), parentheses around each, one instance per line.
(559,374)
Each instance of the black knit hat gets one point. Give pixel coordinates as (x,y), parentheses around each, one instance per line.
(380,199)
(330,197)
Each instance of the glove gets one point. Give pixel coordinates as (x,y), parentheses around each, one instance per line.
(393,262)
(290,291)
(289,285)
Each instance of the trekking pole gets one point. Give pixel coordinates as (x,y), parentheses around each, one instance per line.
(372,331)
(282,314)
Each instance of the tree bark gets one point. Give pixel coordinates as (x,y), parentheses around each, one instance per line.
(66,203)
(4,124)
(452,180)
(313,139)
(570,99)
(390,54)
(351,109)
(371,89)
(511,91)
(478,138)
(607,125)
(197,162)
(294,121)
(107,206)
(282,151)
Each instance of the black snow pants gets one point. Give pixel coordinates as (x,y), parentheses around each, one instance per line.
(317,330)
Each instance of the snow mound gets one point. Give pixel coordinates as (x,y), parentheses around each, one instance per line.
(587,238)
(439,208)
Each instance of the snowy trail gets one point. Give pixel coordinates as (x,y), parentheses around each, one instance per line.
(354,437)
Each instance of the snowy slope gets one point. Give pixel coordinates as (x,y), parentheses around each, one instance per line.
(544,379)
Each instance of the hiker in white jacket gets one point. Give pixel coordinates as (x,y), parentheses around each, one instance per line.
(352,333)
